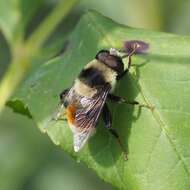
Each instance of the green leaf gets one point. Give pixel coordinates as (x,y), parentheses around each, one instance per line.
(158,142)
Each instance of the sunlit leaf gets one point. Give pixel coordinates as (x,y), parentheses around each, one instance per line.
(158,142)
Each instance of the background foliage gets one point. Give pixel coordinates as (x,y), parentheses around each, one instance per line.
(28,159)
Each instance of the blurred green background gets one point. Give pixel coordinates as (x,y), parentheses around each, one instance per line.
(28,160)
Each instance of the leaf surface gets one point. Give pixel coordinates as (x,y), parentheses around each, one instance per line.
(158,142)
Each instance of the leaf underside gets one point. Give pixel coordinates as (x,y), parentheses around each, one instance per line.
(158,142)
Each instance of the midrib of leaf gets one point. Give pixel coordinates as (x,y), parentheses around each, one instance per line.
(24,51)
(155,113)
(158,118)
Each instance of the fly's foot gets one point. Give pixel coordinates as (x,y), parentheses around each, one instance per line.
(146,106)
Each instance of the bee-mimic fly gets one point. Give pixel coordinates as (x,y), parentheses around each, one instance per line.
(86,99)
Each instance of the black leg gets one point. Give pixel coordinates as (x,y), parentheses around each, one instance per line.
(122,74)
(107,117)
(59,118)
(119,100)
(108,124)
(127,70)
(60,113)
(129,61)
(63,94)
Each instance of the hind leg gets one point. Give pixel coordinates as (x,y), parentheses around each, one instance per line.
(108,124)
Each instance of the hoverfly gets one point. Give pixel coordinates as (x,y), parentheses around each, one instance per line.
(86,99)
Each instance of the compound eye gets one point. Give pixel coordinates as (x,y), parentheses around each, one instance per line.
(102,54)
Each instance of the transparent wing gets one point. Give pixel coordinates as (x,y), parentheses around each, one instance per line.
(86,118)
(57,115)
(80,138)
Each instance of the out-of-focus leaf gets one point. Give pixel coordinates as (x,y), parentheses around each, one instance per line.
(4,55)
(62,172)
(175,21)
(14,16)
(135,13)
(22,150)
(158,142)
(28,160)
(179,23)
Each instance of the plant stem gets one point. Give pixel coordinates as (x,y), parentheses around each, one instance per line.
(15,73)
(49,24)
(23,52)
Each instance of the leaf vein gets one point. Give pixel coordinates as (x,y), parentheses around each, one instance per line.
(173,169)
(150,156)
(156,115)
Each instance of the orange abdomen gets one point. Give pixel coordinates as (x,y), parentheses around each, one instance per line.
(70,114)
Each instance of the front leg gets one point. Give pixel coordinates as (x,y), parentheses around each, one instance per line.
(60,113)
(63,94)
(134,48)
(57,116)
(122,74)
(118,99)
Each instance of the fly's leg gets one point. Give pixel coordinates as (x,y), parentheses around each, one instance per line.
(119,77)
(60,110)
(119,100)
(135,46)
(60,117)
(60,114)
(57,116)
(63,94)
(108,124)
